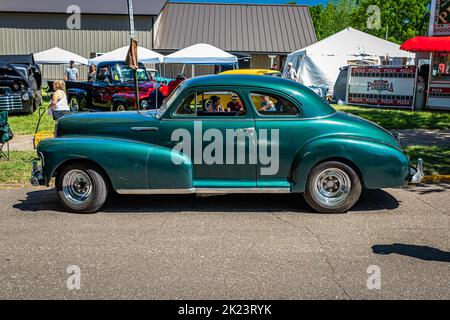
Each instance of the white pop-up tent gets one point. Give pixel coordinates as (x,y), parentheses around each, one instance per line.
(58,56)
(144,56)
(319,63)
(201,54)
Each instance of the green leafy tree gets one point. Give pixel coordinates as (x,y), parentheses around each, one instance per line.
(399,19)
(335,16)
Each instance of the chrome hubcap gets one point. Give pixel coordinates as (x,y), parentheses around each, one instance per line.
(74,104)
(77,186)
(331,187)
(121,108)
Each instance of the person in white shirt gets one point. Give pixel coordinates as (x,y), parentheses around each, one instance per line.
(58,105)
(290,73)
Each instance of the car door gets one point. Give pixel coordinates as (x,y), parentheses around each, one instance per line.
(102,89)
(221,143)
(281,134)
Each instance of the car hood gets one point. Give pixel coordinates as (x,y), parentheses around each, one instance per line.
(117,125)
(359,127)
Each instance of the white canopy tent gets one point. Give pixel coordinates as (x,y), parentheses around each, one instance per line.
(319,63)
(201,54)
(144,56)
(58,56)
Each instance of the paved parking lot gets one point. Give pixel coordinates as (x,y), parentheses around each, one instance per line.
(240,246)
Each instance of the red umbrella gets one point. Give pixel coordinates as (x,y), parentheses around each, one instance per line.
(427,44)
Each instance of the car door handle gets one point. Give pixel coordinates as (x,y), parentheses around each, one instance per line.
(144,128)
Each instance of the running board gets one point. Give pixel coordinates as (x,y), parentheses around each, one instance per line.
(203,191)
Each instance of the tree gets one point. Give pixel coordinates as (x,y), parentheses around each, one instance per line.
(399,19)
(335,16)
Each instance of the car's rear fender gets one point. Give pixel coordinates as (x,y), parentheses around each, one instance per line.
(128,164)
(379,165)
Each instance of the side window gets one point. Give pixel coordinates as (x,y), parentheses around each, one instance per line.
(212,103)
(272,105)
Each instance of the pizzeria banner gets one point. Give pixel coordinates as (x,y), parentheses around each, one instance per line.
(381,86)
(440,18)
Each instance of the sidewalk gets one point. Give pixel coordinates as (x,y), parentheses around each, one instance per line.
(424,137)
(21,143)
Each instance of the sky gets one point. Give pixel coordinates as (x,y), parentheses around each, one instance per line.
(308,2)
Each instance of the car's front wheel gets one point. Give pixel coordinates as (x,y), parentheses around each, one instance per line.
(81,188)
(74,104)
(332,187)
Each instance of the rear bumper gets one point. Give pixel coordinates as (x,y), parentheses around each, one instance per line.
(416,173)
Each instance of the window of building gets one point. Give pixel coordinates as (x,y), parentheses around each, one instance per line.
(441,66)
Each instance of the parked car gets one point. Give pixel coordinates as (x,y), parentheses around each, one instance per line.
(20,84)
(112,90)
(156,76)
(284,139)
(259,72)
(320,91)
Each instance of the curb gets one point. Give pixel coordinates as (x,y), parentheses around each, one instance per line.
(436,179)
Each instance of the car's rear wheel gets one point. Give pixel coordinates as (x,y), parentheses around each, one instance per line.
(332,187)
(74,104)
(81,188)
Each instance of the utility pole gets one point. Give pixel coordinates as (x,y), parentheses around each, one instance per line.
(133,63)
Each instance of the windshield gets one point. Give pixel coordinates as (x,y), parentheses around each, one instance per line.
(124,73)
(169,101)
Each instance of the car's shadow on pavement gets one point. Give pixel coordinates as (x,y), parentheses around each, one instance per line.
(47,200)
(413,251)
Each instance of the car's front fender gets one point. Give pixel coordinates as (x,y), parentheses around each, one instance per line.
(128,164)
(380,165)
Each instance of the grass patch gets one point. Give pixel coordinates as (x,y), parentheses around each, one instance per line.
(26,124)
(436,159)
(18,169)
(401,119)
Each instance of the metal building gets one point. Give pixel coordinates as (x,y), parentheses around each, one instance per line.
(28,26)
(258,30)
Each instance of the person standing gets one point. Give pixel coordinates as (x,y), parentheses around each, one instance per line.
(174,83)
(290,73)
(58,105)
(71,73)
(92,73)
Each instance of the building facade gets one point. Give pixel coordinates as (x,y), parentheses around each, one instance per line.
(266,33)
(31,26)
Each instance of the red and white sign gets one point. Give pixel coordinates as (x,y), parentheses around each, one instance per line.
(439,95)
(382,86)
(440,18)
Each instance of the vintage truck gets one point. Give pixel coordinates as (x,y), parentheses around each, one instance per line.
(20,84)
(224,134)
(112,90)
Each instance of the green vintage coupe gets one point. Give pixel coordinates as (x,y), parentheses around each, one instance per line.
(224,134)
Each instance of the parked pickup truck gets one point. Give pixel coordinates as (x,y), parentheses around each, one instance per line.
(112,89)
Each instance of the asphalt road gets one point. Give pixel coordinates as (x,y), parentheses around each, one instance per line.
(227,247)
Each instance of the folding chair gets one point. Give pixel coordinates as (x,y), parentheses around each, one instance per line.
(5,134)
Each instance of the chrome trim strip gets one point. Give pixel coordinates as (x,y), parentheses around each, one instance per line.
(155,191)
(241,190)
(144,128)
(203,191)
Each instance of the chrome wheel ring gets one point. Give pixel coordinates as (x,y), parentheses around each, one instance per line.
(74,106)
(121,108)
(77,186)
(331,187)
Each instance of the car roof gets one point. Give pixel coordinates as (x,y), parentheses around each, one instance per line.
(250,71)
(312,104)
